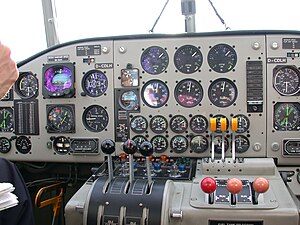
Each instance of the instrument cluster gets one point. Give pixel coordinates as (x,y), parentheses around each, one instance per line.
(186,94)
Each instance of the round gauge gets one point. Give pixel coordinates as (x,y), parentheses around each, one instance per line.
(27,85)
(222,58)
(5,145)
(188,59)
(222,92)
(242,143)
(95,118)
(61,145)
(158,124)
(23,144)
(60,118)
(198,124)
(188,93)
(6,120)
(94,83)
(218,118)
(159,143)
(129,100)
(58,81)
(286,117)
(178,124)
(155,60)
(199,144)
(243,123)
(155,93)
(138,124)
(286,80)
(179,144)
(218,144)
(139,139)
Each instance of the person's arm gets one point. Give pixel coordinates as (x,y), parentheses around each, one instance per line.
(8,70)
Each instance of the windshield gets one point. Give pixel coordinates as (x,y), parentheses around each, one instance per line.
(22,22)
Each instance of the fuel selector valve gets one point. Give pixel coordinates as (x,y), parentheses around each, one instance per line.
(146,149)
(130,147)
(234,186)
(260,185)
(108,147)
(209,185)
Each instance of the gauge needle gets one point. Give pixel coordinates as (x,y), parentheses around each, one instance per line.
(223,86)
(189,86)
(286,86)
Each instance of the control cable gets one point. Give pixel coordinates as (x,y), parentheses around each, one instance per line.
(218,15)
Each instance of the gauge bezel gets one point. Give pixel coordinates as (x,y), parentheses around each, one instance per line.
(243,150)
(1,145)
(139,130)
(280,127)
(202,150)
(104,115)
(179,130)
(35,87)
(9,128)
(21,149)
(101,90)
(161,130)
(243,129)
(161,83)
(163,138)
(202,118)
(175,148)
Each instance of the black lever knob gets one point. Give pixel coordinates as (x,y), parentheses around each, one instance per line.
(129,147)
(146,148)
(108,146)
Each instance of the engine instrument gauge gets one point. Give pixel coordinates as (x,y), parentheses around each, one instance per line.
(60,118)
(188,93)
(6,119)
(218,144)
(159,143)
(94,83)
(199,144)
(61,145)
(27,85)
(286,80)
(139,139)
(222,92)
(23,144)
(179,144)
(5,145)
(129,100)
(222,58)
(58,81)
(155,60)
(198,124)
(188,59)
(178,124)
(95,118)
(286,117)
(158,124)
(138,124)
(242,143)
(243,123)
(155,93)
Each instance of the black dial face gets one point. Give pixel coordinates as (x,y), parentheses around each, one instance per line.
(58,81)
(159,143)
(155,93)
(198,124)
(178,124)
(129,100)
(61,118)
(222,58)
(155,60)
(94,83)
(243,123)
(218,144)
(242,143)
(61,145)
(199,144)
(188,59)
(139,139)
(222,92)
(27,85)
(95,118)
(158,124)
(286,117)
(5,145)
(188,93)
(219,125)
(6,119)
(286,80)
(23,144)
(179,144)
(138,124)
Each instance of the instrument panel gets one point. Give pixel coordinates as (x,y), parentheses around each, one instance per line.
(185,93)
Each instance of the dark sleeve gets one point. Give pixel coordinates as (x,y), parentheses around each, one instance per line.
(22,214)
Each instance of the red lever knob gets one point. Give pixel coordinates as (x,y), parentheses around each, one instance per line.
(234,185)
(208,185)
(260,185)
